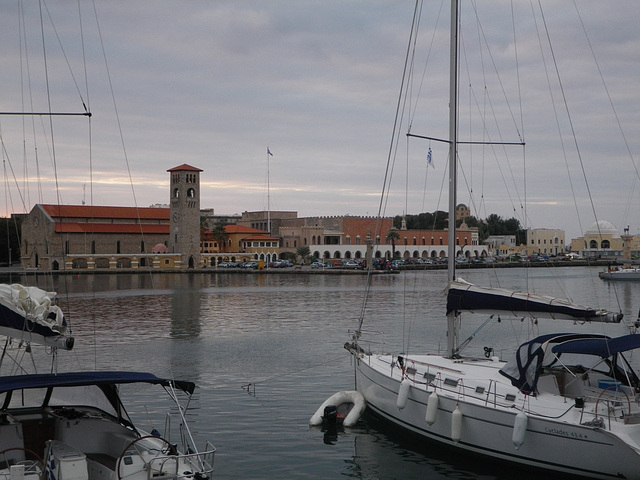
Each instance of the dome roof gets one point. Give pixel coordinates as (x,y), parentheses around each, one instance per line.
(160,248)
(602,227)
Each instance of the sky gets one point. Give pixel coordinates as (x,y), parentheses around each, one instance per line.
(215,84)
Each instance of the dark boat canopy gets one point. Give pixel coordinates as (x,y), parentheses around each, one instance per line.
(78,379)
(532,356)
(464,296)
(602,347)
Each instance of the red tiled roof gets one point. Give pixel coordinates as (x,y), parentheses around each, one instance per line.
(112,228)
(87,211)
(261,238)
(184,167)
(231,229)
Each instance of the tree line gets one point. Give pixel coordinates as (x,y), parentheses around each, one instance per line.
(10,239)
(492,225)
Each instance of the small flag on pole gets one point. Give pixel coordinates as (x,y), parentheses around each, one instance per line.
(269,152)
(429,159)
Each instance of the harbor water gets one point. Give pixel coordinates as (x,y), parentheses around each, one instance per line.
(267,350)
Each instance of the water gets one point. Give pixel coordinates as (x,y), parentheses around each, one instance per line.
(267,350)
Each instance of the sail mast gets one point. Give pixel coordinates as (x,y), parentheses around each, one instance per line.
(452,330)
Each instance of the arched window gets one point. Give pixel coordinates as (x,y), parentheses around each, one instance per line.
(191,193)
(176,193)
(605,244)
(593,244)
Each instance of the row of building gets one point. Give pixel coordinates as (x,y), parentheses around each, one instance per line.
(182,235)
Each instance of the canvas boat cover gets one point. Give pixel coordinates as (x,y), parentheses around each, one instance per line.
(30,314)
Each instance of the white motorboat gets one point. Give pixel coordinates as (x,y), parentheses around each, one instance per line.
(74,426)
(621,273)
(564,402)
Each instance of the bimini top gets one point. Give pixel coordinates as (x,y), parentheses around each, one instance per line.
(532,356)
(79,379)
(602,347)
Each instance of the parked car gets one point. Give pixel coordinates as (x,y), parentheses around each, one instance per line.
(318,264)
(351,264)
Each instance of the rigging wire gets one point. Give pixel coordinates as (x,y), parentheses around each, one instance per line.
(389,168)
(613,109)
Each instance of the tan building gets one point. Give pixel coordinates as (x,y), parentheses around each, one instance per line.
(266,221)
(462,211)
(240,244)
(545,241)
(603,240)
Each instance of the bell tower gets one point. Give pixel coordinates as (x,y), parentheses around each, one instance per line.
(185,214)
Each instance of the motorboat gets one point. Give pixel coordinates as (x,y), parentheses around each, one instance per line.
(621,273)
(74,426)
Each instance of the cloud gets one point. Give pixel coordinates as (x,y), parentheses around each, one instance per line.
(213,84)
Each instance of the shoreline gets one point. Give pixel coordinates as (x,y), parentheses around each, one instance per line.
(307,270)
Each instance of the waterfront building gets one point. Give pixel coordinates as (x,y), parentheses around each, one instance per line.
(239,244)
(501,245)
(603,240)
(344,237)
(545,241)
(57,237)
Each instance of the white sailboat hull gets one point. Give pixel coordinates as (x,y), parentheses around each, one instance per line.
(554,436)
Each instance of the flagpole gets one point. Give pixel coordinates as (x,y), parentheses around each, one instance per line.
(268,194)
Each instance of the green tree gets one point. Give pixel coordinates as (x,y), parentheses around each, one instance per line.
(220,235)
(392,237)
(10,230)
(303,252)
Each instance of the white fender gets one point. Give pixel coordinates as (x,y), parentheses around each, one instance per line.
(456,425)
(432,409)
(519,429)
(403,393)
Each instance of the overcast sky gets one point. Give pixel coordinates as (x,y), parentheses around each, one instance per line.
(213,84)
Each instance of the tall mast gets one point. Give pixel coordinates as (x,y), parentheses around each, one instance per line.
(452,330)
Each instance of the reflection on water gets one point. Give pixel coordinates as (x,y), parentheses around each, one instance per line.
(283,334)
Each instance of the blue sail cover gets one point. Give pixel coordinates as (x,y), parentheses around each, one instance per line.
(464,296)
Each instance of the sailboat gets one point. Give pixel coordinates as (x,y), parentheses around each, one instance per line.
(564,402)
